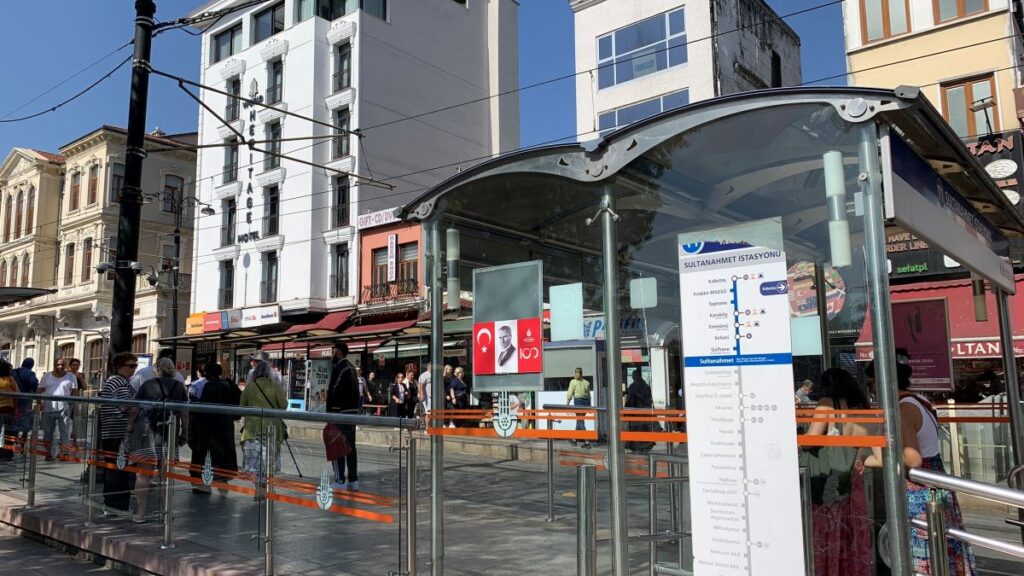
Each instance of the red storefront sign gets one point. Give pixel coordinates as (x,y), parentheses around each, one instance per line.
(213,321)
(508,347)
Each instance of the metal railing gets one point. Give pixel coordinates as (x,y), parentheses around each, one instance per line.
(389,291)
(225,298)
(232,110)
(271,225)
(939,533)
(339,285)
(274,93)
(230,173)
(227,236)
(340,215)
(342,80)
(272,160)
(340,146)
(268,291)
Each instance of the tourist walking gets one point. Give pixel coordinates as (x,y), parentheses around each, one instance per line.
(117,484)
(639,395)
(212,435)
(396,406)
(28,383)
(579,395)
(343,398)
(59,382)
(459,395)
(262,392)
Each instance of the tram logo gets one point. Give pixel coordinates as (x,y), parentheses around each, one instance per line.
(324,493)
(692,247)
(505,419)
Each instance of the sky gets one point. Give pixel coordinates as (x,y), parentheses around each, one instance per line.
(82,32)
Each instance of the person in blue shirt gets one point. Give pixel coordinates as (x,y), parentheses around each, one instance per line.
(28,383)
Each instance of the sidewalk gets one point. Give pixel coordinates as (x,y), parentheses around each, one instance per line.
(21,556)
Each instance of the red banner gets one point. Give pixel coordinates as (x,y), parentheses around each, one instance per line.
(508,347)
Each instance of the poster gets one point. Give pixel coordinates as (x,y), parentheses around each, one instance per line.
(508,347)
(922,328)
(739,396)
(318,377)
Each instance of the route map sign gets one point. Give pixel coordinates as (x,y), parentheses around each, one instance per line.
(738,376)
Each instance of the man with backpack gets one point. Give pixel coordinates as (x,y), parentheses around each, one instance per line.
(343,397)
(27,383)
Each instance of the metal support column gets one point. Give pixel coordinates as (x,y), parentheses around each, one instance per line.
(613,360)
(586,520)
(30,499)
(93,460)
(410,507)
(268,491)
(165,472)
(1012,382)
(885,357)
(652,511)
(551,477)
(433,262)
(821,295)
(938,554)
(807,516)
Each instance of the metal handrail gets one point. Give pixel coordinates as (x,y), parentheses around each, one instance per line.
(323,417)
(1005,496)
(976,540)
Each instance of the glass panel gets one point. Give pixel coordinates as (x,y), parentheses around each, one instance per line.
(408,252)
(677,52)
(380,257)
(350,7)
(606,121)
(640,63)
(605,76)
(376,7)
(675,100)
(981,92)
(236,39)
(677,22)
(897,17)
(873,19)
(640,34)
(604,47)
(305,9)
(972,6)
(956,107)
(947,10)
(631,114)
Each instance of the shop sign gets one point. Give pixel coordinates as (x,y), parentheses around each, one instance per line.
(508,347)
(593,328)
(1002,156)
(392,257)
(195,322)
(378,218)
(260,316)
(963,350)
(233,319)
(213,321)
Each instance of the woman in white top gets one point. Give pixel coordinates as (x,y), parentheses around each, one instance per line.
(920,432)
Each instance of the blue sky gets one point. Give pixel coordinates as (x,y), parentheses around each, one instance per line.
(82,31)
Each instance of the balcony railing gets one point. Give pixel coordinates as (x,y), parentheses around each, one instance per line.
(268,291)
(225,298)
(270,160)
(404,289)
(340,147)
(167,280)
(274,93)
(342,80)
(339,216)
(339,285)
(271,225)
(230,172)
(227,236)
(231,111)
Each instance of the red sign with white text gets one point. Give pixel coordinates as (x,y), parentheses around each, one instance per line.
(508,347)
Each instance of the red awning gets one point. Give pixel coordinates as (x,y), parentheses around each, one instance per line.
(384,328)
(329,325)
(968,339)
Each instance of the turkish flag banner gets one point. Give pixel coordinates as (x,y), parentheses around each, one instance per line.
(531,345)
(483,348)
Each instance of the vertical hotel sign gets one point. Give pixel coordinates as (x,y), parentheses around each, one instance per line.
(737,362)
(392,257)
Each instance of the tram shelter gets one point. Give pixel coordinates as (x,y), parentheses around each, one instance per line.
(835,169)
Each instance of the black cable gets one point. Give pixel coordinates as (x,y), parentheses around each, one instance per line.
(71,99)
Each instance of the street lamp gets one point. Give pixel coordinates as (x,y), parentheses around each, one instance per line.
(986,104)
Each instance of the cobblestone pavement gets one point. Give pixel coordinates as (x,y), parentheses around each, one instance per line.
(23,557)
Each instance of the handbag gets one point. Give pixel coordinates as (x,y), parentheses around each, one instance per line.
(830,469)
(335,442)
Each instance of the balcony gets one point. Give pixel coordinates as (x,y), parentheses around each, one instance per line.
(232,110)
(271,226)
(274,94)
(339,285)
(339,215)
(340,147)
(268,291)
(227,236)
(342,80)
(225,298)
(405,289)
(230,173)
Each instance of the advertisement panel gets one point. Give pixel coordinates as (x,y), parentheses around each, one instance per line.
(507,328)
(194,323)
(738,370)
(318,376)
(508,347)
(260,315)
(922,328)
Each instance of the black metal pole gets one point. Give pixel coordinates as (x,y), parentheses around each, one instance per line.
(129,215)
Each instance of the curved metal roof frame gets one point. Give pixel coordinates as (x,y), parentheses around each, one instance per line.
(904,109)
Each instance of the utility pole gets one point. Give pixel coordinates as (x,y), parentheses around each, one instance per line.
(179,207)
(129,216)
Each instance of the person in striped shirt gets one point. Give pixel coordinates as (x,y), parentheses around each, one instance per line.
(117,484)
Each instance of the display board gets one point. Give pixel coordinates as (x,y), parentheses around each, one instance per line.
(318,376)
(921,327)
(738,375)
(508,345)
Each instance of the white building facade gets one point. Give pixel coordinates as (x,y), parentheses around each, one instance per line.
(285,232)
(636,59)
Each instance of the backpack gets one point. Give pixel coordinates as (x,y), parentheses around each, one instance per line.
(159,418)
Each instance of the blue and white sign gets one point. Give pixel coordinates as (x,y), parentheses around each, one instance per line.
(922,202)
(738,375)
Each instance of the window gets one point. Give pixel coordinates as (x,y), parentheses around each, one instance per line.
(341,144)
(642,48)
(18,206)
(227,43)
(268,283)
(272,159)
(227,230)
(116,181)
(94,182)
(339,264)
(633,113)
(8,208)
(231,111)
(339,211)
(776,70)
(225,295)
(111,254)
(268,22)
(173,189)
(342,67)
(882,19)
(69,264)
(95,358)
(14,272)
(26,262)
(957,99)
(231,161)
(275,81)
(953,9)
(304,9)
(408,268)
(332,9)
(379,270)
(87,260)
(3,273)
(378,8)
(167,257)
(76,187)
(30,211)
(271,210)
(66,351)
(139,344)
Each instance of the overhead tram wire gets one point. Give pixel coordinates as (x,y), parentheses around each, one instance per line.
(77,95)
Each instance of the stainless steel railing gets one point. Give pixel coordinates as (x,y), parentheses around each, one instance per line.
(935,526)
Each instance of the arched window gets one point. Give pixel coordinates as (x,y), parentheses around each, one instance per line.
(139,344)
(30,212)
(69,264)
(25,265)
(7,218)
(65,352)
(18,209)
(14,272)
(3,273)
